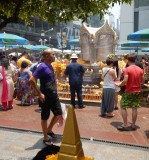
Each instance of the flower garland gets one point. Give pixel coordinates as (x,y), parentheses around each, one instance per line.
(112,56)
(55,157)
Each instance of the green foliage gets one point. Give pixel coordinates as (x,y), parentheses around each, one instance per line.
(95,21)
(52,10)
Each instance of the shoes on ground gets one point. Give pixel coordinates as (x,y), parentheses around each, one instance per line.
(4,109)
(52,134)
(133,128)
(127,128)
(25,104)
(11,107)
(123,128)
(110,115)
(81,107)
(74,106)
(38,110)
(47,142)
(102,115)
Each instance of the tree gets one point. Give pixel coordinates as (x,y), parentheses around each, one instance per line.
(11,11)
(95,21)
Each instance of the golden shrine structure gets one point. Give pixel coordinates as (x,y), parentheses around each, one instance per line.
(97,43)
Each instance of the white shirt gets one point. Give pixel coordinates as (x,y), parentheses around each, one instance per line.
(108,79)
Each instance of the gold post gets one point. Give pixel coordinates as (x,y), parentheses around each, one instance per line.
(71,146)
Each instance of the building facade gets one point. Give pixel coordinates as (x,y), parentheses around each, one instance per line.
(133,17)
(41,32)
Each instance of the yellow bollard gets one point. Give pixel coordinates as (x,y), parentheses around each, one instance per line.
(71,146)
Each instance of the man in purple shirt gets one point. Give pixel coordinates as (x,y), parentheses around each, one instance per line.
(48,97)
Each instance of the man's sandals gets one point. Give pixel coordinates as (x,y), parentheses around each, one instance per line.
(53,135)
(47,142)
(127,128)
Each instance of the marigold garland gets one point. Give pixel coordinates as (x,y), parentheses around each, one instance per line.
(55,157)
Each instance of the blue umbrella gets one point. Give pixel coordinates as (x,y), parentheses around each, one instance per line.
(29,46)
(41,47)
(130,48)
(6,38)
(8,46)
(141,35)
(74,42)
(145,50)
(135,44)
(35,48)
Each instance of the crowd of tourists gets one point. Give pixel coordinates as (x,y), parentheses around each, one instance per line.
(20,79)
(130,78)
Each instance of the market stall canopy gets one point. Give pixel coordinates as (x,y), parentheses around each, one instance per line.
(135,44)
(35,48)
(41,47)
(6,38)
(67,51)
(130,48)
(56,50)
(29,47)
(74,42)
(77,52)
(142,35)
(8,46)
(145,50)
(15,54)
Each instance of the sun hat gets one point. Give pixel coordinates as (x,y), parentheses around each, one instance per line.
(74,56)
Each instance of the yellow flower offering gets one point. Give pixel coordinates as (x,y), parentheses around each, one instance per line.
(55,157)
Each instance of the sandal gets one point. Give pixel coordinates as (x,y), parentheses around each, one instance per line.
(53,135)
(133,128)
(123,128)
(102,115)
(47,142)
(110,115)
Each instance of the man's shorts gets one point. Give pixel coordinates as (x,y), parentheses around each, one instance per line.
(130,100)
(50,104)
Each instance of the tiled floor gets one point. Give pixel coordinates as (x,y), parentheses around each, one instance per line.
(89,122)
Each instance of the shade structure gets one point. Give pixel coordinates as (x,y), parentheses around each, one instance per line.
(56,50)
(130,48)
(135,44)
(145,50)
(74,42)
(6,38)
(16,54)
(29,47)
(141,35)
(8,46)
(35,48)
(40,47)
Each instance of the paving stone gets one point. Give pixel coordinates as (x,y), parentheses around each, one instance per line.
(25,145)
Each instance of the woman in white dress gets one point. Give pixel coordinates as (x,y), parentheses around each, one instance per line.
(7,84)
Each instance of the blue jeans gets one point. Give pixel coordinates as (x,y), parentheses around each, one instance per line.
(78,90)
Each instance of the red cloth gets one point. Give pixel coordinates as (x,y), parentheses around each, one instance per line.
(134,78)
(4,97)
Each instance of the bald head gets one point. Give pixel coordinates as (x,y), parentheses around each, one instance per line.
(46,52)
(48,56)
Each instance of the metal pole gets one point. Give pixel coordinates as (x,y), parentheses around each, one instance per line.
(61,37)
(74,37)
